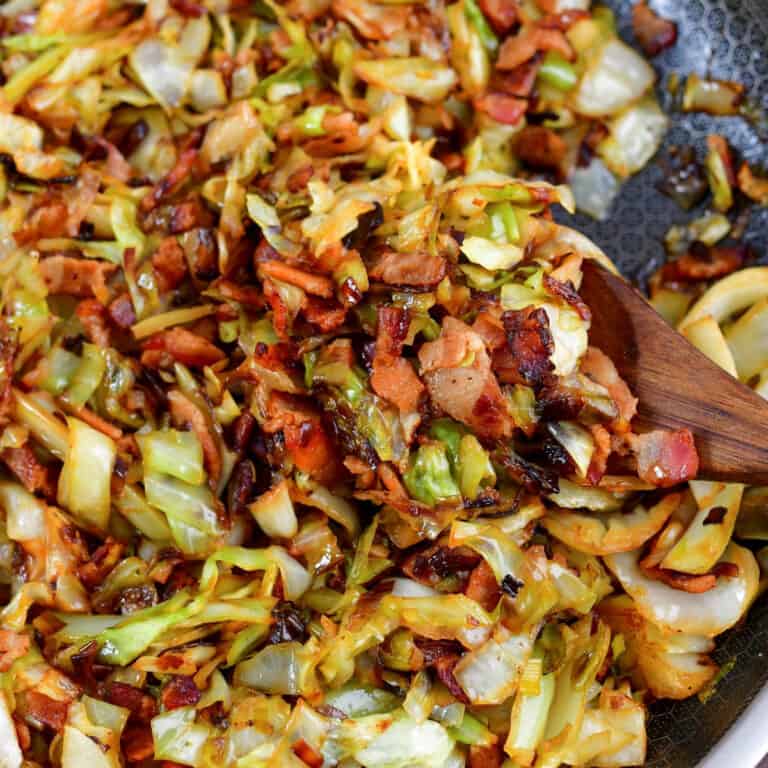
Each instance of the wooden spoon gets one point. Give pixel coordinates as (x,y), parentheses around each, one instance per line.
(677,385)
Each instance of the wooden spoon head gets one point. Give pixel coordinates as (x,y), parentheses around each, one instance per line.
(677,386)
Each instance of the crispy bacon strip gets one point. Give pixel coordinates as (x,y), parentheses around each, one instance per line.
(541,147)
(468,392)
(44,710)
(417,269)
(102,561)
(181,345)
(77,277)
(13,645)
(181,691)
(653,32)
(482,586)
(185,413)
(393,377)
(94,318)
(526,358)
(319,285)
(35,476)
(502,108)
(526,44)
(503,14)
(169,264)
(666,458)
(600,368)
(702,262)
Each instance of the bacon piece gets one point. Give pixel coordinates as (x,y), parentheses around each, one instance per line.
(372,21)
(600,368)
(567,292)
(187,215)
(526,358)
(653,32)
(77,277)
(442,656)
(482,586)
(526,44)
(178,175)
(468,393)
(687,582)
(121,311)
(342,136)
(298,180)
(603,448)
(183,346)
(417,269)
(49,219)
(185,413)
(319,285)
(8,347)
(326,314)
(93,316)
(393,377)
(188,8)
(484,757)
(754,187)
(13,645)
(181,691)
(102,561)
(141,705)
(665,457)
(307,754)
(502,108)
(429,566)
(35,476)
(137,743)
(540,147)
(169,264)
(503,14)
(43,709)
(306,440)
(703,262)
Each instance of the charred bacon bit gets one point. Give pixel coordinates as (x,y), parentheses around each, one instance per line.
(393,377)
(484,757)
(600,368)
(534,478)
(35,476)
(180,691)
(540,147)
(77,277)
(666,458)
(703,262)
(429,566)
(326,314)
(683,178)
(503,14)
(527,357)
(526,44)
(137,742)
(502,108)
(510,586)
(101,562)
(169,264)
(482,586)
(366,223)
(41,710)
(414,269)
(93,316)
(569,294)
(181,345)
(140,704)
(442,656)
(8,349)
(754,187)
(287,625)
(13,645)
(186,413)
(653,32)
(715,516)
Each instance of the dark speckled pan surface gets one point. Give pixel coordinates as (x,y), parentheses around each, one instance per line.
(729,40)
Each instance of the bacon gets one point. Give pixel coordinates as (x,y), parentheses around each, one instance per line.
(121,311)
(77,277)
(566,291)
(754,187)
(326,314)
(703,262)
(468,393)
(8,347)
(600,368)
(13,645)
(137,743)
(178,175)
(93,316)
(342,136)
(429,566)
(666,458)
(526,358)
(416,269)
(101,562)
(169,264)
(502,108)
(442,656)
(319,285)
(35,476)
(181,691)
(503,14)
(484,757)
(49,219)
(372,21)
(185,413)
(526,44)
(43,709)
(482,586)
(183,346)
(298,180)
(603,448)
(141,705)
(188,8)
(393,377)
(540,147)
(307,754)
(653,32)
